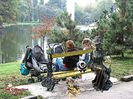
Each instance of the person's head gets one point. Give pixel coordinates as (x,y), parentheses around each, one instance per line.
(69,44)
(86,43)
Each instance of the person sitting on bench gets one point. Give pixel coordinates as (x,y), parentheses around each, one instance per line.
(87,45)
(70,62)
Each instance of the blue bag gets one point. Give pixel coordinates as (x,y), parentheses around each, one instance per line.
(24,70)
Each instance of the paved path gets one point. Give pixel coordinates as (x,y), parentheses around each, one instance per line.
(61,89)
(124,90)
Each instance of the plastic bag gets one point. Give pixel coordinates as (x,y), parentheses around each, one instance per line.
(24,70)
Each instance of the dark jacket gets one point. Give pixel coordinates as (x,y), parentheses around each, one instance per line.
(71,61)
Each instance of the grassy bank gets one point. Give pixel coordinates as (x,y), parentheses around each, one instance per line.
(9,74)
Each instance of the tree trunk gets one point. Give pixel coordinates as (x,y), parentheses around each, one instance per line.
(0,54)
(1,58)
(43,42)
(122,54)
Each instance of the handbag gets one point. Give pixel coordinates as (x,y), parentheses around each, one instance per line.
(23,69)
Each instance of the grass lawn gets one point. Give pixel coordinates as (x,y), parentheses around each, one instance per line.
(122,66)
(9,69)
(9,74)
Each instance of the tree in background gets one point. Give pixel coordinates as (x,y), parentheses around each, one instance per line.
(51,9)
(9,47)
(28,11)
(117,28)
(82,16)
(8,13)
(58,4)
(44,29)
(91,13)
(66,29)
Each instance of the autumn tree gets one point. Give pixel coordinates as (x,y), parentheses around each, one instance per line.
(44,28)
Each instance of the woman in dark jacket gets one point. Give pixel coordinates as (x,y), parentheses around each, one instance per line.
(70,61)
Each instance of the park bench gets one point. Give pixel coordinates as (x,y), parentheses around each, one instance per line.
(52,78)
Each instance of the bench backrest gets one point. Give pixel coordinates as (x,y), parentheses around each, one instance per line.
(64,54)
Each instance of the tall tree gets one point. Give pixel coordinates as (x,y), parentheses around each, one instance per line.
(7,11)
(58,4)
(117,28)
(8,14)
(66,29)
(43,29)
(92,12)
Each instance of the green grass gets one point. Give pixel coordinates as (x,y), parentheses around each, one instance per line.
(122,66)
(9,69)
(5,95)
(10,74)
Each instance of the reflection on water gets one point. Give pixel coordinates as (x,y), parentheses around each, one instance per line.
(13,40)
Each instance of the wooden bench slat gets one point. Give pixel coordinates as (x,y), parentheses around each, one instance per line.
(69,74)
(80,52)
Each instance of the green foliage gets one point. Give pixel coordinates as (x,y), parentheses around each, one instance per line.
(58,4)
(48,11)
(66,29)
(35,11)
(82,16)
(64,20)
(8,11)
(23,11)
(116,28)
(92,13)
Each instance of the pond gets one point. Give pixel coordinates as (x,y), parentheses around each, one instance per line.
(13,40)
